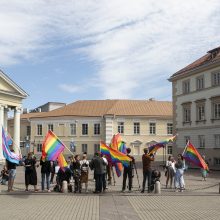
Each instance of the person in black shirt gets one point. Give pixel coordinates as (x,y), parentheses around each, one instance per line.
(45,172)
(128,172)
(11,167)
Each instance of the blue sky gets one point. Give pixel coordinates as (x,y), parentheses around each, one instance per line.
(69,50)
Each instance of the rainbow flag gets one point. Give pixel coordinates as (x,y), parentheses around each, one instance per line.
(10,156)
(115,155)
(62,161)
(153,149)
(192,155)
(118,144)
(52,147)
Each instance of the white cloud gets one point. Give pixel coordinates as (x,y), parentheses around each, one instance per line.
(136,43)
(70,88)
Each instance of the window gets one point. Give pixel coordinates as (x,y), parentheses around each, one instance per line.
(28,130)
(50,127)
(216,108)
(73,129)
(152,128)
(169,128)
(96,129)
(187,114)
(39,147)
(136,127)
(121,127)
(216,161)
(216,79)
(96,148)
(217,140)
(62,130)
(201,141)
(201,112)
(200,83)
(187,138)
(39,129)
(169,149)
(84,129)
(186,86)
(84,147)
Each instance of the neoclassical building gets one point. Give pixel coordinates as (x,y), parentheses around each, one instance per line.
(82,124)
(11,96)
(196,105)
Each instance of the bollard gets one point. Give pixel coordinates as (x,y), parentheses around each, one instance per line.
(157,187)
(64,187)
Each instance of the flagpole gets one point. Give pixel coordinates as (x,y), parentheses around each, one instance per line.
(185,147)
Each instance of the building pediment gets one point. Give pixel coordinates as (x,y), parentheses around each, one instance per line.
(9,87)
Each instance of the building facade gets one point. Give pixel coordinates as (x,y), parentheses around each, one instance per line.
(11,96)
(83,124)
(196,105)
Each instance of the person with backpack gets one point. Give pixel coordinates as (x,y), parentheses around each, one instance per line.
(128,172)
(84,178)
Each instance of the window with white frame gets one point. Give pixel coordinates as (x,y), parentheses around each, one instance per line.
(216,109)
(96,148)
(28,130)
(216,161)
(84,147)
(136,127)
(39,129)
(201,139)
(169,149)
(216,79)
(121,127)
(200,83)
(39,147)
(217,140)
(84,129)
(186,113)
(186,138)
(152,128)
(72,129)
(50,127)
(169,128)
(186,86)
(96,129)
(200,111)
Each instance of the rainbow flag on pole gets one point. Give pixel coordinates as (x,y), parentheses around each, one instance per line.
(114,156)
(153,149)
(52,147)
(10,156)
(191,154)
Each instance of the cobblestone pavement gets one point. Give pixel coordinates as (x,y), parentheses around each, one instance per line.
(200,200)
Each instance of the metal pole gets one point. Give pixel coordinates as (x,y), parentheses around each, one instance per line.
(137,176)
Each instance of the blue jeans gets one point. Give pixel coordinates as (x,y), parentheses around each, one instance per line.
(43,175)
(179,181)
(147,176)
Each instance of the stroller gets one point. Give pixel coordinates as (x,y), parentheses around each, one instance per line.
(155,176)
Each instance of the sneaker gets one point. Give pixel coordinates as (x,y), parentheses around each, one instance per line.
(142,191)
(48,190)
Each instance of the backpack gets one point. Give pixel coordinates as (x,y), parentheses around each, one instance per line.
(84,167)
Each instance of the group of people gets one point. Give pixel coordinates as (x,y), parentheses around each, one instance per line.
(78,170)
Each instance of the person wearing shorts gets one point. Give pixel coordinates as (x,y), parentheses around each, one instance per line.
(11,167)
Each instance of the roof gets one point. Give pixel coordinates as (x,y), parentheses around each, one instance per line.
(19,90)
(211,57)
(99,108)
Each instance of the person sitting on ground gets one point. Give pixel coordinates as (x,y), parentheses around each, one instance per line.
(4,175)
(154,178)
(64,174)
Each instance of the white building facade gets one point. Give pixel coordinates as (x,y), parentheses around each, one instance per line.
(196,106)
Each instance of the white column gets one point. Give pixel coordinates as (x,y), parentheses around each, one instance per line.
(5,125)
(17,113)
(1,124)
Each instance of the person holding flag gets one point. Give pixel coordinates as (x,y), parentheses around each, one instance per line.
(128,172)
